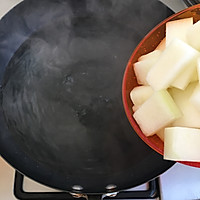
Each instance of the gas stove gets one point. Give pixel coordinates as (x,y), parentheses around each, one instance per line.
(180,182)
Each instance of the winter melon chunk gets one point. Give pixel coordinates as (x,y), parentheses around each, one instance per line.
(161,46)
(195,98)
(156,112)
(144,64)
(176,57)
(198,69)
(182,144)
(153,55)
(140,94)
(187,76)
(178,29)
(191,116)
(160,134)
(193,35)
(195,76)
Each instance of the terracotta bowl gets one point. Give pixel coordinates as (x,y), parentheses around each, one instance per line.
(148,44)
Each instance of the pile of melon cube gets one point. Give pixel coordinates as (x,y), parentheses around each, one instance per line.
(167,100)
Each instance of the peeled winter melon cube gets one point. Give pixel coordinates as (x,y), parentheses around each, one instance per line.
(135,107)
(182,144)
(193,35)
(194,76)
(152,55)
(160,134)
(156,112)
(142,67)
(176,57)
(191,116)
(198,69)
(161,46)
(187,76)
(178,29)
(195,98)
(140,94)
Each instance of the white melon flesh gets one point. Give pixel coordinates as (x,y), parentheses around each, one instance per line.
(160,134)
(195,98)
(195,76)
(134,107)
(152,55)
(198,69)
(178,29)
(182,144)
(161,46)
(193,36)
(142,67)
(156,112)
(140,94)
(176,57)
(187,76)
(191,116)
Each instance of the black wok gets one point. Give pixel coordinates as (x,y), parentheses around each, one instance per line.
(62,121)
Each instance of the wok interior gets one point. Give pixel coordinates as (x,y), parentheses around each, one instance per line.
(61,97)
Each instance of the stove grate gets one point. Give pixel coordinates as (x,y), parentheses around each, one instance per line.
(191,2)
(153,192)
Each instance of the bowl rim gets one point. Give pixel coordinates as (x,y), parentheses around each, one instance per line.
(124,94)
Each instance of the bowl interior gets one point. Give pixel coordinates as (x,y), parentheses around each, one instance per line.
(148,44)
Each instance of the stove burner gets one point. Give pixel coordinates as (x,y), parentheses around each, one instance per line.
(153,192)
